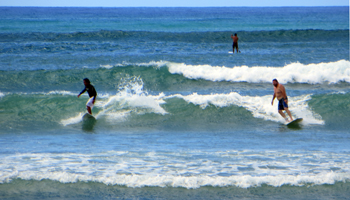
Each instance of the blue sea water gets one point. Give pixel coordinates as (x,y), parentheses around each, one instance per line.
(177,116)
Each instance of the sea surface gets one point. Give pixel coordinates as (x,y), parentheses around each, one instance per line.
(177,115)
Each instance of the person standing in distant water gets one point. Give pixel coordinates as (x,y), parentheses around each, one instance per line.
(92,94)
(235,43)
(280,93)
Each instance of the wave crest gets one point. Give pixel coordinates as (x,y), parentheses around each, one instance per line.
(333,72)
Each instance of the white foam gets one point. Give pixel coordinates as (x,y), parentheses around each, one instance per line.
(54,92)
(72,120)
(134,103)
(160,63)
(259,106)
(60,92)
(244,181)
(218,169)
(315,73)
(332,72)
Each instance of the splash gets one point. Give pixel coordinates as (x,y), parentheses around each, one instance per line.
(130,98)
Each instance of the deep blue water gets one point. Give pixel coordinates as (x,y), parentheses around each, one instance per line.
(178,116)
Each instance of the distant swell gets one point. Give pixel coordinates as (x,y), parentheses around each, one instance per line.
(192,37)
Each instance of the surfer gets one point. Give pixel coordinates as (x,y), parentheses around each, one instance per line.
(235,43)
(280,93)
(92,94)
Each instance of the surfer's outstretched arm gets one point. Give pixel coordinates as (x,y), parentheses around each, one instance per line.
(84,90)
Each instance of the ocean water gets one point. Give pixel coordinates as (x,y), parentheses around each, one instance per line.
(177,116)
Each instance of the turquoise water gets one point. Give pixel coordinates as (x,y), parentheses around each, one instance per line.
(178,117)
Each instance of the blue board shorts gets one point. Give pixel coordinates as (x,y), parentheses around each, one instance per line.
(282,104)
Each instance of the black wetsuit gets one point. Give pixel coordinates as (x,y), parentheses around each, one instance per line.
(91,91)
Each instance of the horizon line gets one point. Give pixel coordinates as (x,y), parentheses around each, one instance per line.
(168,6)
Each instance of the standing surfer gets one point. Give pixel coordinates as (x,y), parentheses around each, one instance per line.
(235,43)
(92,94)
(280,93)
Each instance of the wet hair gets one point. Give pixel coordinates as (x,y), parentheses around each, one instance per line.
(275,80)
(87,80)
(235,34)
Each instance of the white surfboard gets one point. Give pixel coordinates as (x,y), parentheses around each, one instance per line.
(230,52)
(294,122)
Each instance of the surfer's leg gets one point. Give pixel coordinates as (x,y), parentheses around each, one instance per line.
(282,114)
(289,113)
(285,107)
(89,105)
(89,109)
(282,106)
